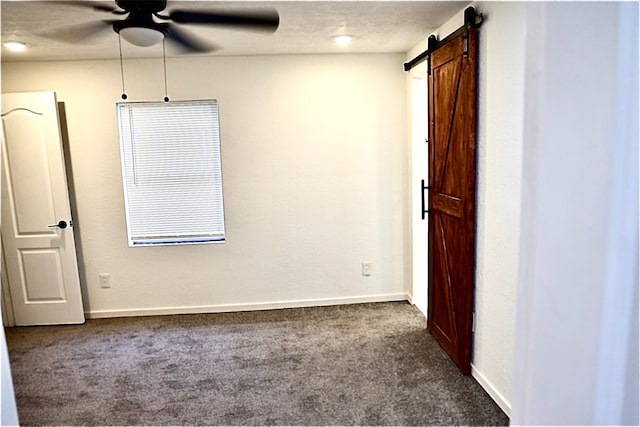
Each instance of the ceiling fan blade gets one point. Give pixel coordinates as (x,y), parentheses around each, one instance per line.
(261,20)
(101,6)
(189,43)
(80,33)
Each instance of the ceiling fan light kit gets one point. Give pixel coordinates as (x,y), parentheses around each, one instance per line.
(141,36)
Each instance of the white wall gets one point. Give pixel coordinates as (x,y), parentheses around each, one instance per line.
(313,151)
(8,409)
(577,343)
(500,122)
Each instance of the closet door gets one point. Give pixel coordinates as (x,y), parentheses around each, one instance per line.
(452,173)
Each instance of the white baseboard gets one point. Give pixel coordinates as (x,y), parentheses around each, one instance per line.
(225,308)
(500,400)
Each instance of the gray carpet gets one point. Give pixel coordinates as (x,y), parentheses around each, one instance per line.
(365,364)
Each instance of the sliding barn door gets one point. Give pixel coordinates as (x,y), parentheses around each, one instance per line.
(452,172)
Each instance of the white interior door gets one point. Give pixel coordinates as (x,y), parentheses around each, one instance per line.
(37,228)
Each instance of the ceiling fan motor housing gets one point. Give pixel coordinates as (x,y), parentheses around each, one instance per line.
(134,21)
(140,16)
(148,6)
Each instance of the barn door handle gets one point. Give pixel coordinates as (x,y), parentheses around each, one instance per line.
(424,187)
(61,224)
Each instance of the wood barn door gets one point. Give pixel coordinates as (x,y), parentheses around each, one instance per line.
(452,183)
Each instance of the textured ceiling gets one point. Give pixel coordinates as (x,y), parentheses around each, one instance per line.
(305,27)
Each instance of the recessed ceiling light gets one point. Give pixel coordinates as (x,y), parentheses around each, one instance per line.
(15,46)
(343,39)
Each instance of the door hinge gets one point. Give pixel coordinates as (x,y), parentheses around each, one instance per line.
(473,322)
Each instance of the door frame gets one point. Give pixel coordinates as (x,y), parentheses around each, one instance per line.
(5,298)
(418,92)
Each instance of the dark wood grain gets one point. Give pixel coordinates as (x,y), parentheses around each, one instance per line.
(452,201)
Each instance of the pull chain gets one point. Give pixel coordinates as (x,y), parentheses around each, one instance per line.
(164,62)
(124,93)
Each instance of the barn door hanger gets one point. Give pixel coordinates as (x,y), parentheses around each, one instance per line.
(471,20)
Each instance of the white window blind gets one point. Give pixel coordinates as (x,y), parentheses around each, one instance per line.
(171,171)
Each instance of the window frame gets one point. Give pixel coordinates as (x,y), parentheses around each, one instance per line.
(217,234)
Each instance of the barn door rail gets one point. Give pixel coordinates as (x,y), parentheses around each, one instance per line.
(471,20)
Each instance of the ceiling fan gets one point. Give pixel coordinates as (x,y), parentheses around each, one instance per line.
(146,22)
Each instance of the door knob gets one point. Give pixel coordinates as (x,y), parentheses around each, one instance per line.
(61,224)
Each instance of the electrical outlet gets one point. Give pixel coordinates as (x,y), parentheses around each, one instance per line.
(366,268)
(105,280)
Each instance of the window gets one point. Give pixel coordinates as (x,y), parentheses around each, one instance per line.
(171,172)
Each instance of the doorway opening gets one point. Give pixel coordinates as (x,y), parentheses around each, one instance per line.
(420,171)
